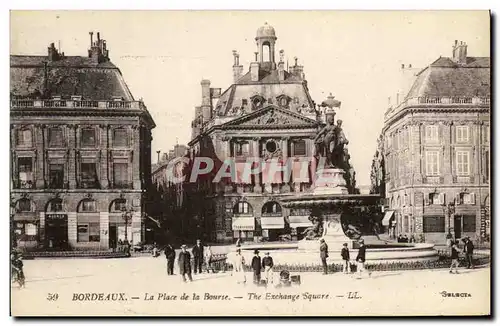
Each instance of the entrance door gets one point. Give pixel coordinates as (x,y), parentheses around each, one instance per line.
(57,233)
(113,236)
(457,225)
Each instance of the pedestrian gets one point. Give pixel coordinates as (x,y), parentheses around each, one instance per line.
(267,264)
(256,267)
(454,257)
(185,263)
(208,259)
(345,257)
(156,252)
(198,256)
(17,268)
(323,254)
(170,255)
(239,267)
(361,258)
(238,242)
(468,250)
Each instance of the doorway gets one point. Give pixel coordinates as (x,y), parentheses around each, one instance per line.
(113,237)
(457,226)
(57,233)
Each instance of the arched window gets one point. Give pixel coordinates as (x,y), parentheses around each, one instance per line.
(118,205)
(55,205)
(271,209)
(266,52)
(24,205)
(243,208)
(87,206)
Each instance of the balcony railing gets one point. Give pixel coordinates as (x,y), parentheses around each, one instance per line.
(89,184)
(70,104)
(122,185)
(24,184)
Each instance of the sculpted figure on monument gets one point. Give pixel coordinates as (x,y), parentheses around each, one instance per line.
(316,230)
(330,142)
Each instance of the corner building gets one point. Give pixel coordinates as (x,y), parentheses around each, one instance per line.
(266,113)
(80,152)
(437,151)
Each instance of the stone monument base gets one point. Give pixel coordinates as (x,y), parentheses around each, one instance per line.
(330,181)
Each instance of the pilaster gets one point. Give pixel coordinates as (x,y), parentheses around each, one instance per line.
(103,129)
(256,155)
(136,166)
(136,227)
(72,229)
(104,229)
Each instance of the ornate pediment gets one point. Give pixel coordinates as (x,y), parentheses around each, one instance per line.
(272,117)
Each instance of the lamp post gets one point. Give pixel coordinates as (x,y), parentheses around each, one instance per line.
(127,216)
(449,211)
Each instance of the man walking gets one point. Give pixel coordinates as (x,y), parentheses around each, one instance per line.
(267,263)
(170,255)
(360,259)
(345,257)
(256,266)
(468,250)
(323,254)
(198,256)
(185,263)
(454,257)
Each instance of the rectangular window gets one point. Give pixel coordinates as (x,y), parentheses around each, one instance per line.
(462,134)
(299,147)
(56,176)
(88,232)
(120,205)
(120,175)
(89,206)
(56,138)
(24,205)
(434,224)
(242,149)
(88,138)
(486,134)
(30,229)
(432,163)
(431,134)
(25,170)
(469,223)
(24,138)
(433,198)
(88,175)
(462,163)
(120,138)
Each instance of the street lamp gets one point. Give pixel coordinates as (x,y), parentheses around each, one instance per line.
(449,210)
(127,217)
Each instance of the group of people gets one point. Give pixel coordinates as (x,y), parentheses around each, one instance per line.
(346,259)
(17,268)
(199,253)
(455,250)
(403,238)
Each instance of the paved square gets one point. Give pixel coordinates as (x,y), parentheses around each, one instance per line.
(156,293)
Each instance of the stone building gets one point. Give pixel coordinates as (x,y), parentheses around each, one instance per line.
(267,113)
(80,151)
(436,146)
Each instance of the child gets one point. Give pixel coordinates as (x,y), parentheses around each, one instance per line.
(345,257)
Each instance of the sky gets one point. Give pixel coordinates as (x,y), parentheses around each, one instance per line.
(355,55)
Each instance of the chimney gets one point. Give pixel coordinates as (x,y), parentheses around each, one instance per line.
(460,52)
(206,100)
(237,68)
(297,70)
(281,66)
(254,68)
(53,55)
(98,51)
(402,66)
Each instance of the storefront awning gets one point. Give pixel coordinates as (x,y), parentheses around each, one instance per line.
(387,217)
(272,223)
(299,221)
(243,224)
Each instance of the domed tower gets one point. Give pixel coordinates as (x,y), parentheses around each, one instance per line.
(266,40)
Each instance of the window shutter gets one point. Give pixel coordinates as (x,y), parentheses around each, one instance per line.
(472,199)
(442,198)
(457,199)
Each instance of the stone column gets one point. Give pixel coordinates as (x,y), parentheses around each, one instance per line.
(286,181)
(136,167)
(136,227)
(448,157)
(476,150)
(103,139)
(104,229)
(72,229)
(313,165)
(41,228)
(38,139)
(256,155)
(72,159)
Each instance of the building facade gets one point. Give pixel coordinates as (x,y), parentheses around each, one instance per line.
(267,114)
(436,146)
(80,152)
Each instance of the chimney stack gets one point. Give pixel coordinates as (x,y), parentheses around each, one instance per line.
(460,52)
(206,100)
(53,54)
(281,66)
(237,68)
(297,70)
(254,68)
(98,51)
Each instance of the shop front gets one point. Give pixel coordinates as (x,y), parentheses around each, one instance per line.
(243,228)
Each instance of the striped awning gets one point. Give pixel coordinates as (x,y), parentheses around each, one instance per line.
(299,221)
(272,222)
(243,224)
(387,217)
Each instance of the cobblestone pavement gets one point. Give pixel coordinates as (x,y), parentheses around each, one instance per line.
(383,293)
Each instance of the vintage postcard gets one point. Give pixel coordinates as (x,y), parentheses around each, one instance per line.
(250,163)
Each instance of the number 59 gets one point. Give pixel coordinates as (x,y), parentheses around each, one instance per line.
(52,296)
